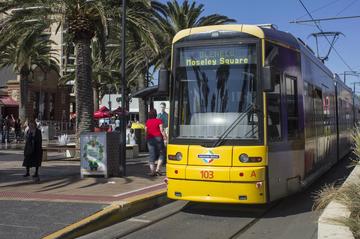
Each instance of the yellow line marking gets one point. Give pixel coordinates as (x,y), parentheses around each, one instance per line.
(83,222)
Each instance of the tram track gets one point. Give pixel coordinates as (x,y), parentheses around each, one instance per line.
(147,223)
(212,210)
(254,221)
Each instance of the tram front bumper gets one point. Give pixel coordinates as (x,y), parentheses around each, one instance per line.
(217,192)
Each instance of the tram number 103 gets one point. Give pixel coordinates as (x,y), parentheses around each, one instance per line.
(207,174)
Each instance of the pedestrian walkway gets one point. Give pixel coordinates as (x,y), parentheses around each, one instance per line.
(61,196)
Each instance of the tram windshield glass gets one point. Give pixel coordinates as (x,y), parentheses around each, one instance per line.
(215,91)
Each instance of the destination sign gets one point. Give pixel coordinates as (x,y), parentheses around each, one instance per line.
(212,56)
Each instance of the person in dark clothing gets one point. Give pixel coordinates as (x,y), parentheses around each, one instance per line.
(6,130)
(17,126)
(1,126)
(33,149)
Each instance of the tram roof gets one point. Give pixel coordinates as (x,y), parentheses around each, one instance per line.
(259,31)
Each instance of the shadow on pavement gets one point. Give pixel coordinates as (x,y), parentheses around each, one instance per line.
(58,174)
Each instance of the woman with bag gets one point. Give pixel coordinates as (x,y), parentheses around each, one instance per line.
(33,149)
(155,136)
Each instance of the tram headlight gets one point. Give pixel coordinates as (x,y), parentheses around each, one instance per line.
(178,156)
(244,158)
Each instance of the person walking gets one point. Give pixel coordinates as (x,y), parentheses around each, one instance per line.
(155,136)
(33,149)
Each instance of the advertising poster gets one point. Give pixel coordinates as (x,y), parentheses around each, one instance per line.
(93,154)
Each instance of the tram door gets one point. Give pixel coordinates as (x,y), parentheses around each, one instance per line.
(285,146)
(319,126)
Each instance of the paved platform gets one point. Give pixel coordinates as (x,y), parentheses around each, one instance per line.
(62,198)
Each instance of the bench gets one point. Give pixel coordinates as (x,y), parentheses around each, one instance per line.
(70,150)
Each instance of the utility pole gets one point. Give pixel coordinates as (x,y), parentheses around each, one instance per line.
(354,83)
(123,84)
(350,73)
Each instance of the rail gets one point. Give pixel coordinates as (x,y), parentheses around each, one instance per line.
(60,127)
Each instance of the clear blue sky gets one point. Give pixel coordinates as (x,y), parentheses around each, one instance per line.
(281,12)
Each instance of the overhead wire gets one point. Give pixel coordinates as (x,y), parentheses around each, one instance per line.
(327,39)
(305,24)
(345,8)
(319,8)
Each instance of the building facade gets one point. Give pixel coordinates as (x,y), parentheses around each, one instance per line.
(47,99)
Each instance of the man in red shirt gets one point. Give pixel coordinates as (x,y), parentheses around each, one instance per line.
(155,136)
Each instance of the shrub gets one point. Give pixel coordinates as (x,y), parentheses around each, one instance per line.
(348,194)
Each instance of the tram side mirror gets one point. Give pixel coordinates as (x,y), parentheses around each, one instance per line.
(163,79)
(270,60)
(267,84)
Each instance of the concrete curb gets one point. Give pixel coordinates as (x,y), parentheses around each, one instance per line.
(327,226)
(114,213)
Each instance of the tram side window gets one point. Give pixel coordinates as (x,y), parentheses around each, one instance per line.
(342,115)
(319,113)
(273,107)
(309,110)
(292,109)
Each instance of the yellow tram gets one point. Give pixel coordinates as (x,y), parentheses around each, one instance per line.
(254,115)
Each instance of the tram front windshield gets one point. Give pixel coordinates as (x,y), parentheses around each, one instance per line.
(215,91)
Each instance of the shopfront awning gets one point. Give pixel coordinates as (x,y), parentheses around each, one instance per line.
(7,101)
(148,92)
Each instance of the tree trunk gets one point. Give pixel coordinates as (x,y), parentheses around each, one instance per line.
(24,88)
(84,99)
(142,103)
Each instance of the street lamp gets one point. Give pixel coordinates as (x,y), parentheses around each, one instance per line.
(109,86)
(123,84)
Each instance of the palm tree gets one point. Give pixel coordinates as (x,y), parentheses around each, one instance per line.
(174,17)
(100,77)
(84,20)
(26,49)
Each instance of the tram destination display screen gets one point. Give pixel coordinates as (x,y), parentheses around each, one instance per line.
(212,56)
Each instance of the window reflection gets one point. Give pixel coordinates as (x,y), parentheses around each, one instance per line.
(209,98)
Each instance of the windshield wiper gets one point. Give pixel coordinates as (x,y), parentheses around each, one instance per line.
(228,130)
